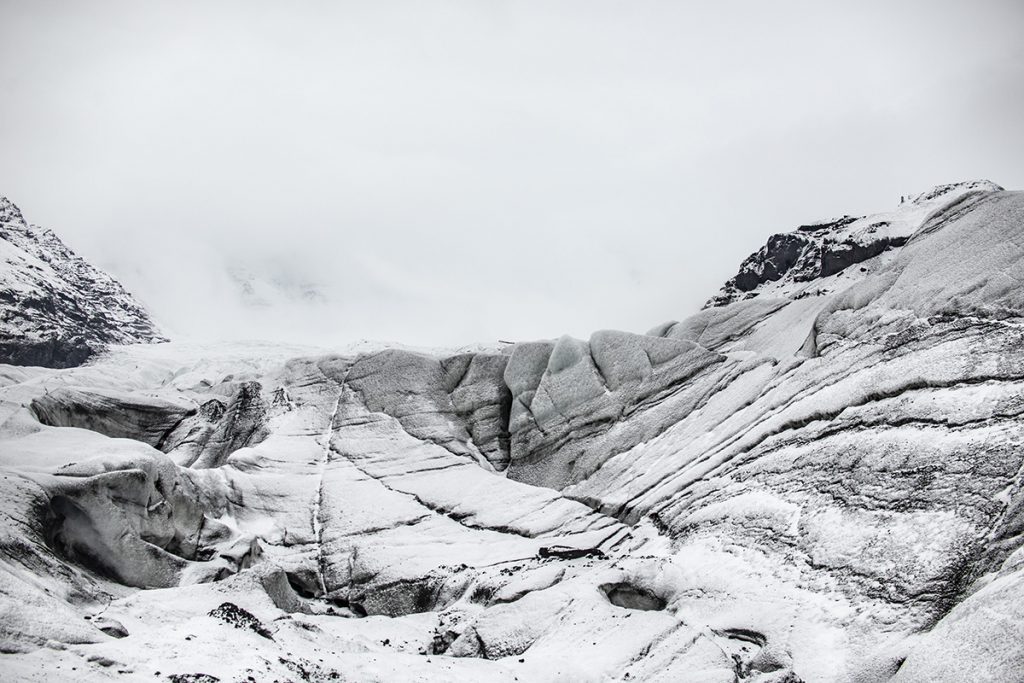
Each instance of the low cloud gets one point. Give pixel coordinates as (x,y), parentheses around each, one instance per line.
(459,172)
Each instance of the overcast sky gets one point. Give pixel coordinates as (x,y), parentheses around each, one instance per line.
(447,172)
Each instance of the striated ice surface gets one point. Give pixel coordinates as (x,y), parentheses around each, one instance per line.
(818,482)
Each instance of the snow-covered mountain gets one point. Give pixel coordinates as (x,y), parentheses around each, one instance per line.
(815,478)
(56,310)
(813,258)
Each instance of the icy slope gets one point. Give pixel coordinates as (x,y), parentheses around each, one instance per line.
(55,309)
(820,484)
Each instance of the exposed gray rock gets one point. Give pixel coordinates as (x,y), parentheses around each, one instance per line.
(232,614)
(818,250)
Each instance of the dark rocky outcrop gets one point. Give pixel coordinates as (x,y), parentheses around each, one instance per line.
(775,259)
(232,614)
(56,310)
(819,250)
(567,553)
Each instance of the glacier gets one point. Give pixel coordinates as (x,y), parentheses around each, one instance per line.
(817,477)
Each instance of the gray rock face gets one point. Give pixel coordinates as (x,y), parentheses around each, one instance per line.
(820,482)
(819,250)
(55,309)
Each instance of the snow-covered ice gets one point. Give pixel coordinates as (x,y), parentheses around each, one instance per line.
(816,478)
